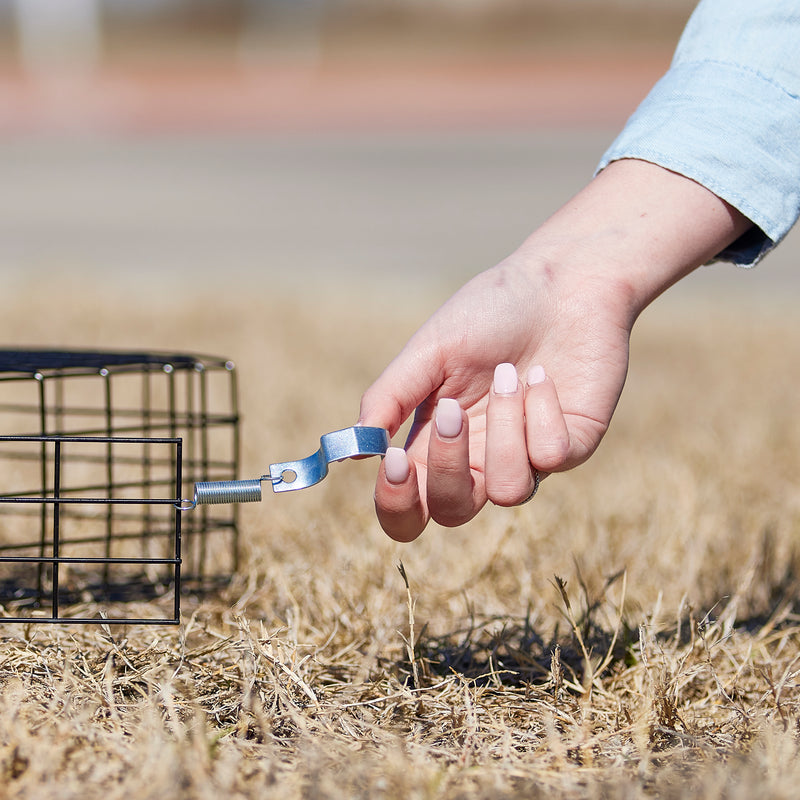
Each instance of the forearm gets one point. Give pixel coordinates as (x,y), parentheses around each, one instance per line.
(636,229)
(727,114)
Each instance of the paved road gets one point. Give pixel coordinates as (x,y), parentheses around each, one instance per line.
(219,210)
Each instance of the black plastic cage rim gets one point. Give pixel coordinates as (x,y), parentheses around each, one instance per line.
(32,361)
(93,439)
(91,620)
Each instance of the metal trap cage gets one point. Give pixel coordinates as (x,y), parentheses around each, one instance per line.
(95,450)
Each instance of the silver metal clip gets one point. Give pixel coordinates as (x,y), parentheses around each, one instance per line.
(289,476)
(337,446)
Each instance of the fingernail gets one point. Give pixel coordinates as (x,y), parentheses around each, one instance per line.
(535,375)
(395,464)
(448,418)
(505,379)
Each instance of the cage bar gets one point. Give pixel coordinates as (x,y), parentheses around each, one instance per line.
(95,448)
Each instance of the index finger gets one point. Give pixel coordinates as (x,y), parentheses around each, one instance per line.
(398,503)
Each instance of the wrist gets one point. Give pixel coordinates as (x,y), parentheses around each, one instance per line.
(635,230)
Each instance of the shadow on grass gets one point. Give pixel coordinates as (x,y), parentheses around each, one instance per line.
(23,598)
(510,652)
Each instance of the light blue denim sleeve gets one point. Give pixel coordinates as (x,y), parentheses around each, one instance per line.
(727,114)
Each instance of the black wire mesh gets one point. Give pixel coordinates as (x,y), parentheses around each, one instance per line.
(97,447)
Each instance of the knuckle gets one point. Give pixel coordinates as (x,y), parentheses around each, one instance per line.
(551,456)
(508,493)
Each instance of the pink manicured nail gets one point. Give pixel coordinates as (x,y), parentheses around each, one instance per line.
(505,379)
(535,375)
(448,418)
(395,464)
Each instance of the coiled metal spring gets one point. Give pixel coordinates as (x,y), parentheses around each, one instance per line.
(216,492)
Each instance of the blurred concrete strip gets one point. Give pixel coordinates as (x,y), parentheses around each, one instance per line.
(534,93)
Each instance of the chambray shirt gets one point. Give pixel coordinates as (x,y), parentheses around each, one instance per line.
(727,115)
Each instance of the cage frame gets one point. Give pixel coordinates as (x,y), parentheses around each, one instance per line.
(55,560)
(184,420)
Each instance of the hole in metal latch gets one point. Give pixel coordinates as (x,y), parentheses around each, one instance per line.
(288,476)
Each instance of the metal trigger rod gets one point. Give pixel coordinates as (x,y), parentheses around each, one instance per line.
(289,476)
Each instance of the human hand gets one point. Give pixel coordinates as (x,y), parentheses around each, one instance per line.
(479,432)
(558,314)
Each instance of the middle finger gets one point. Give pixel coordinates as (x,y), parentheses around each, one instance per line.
(451,491)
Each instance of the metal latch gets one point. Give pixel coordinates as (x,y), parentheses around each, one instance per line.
(288,476)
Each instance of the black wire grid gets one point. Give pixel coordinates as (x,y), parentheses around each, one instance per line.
(97,450)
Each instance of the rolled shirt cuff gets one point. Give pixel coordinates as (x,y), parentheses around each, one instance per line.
(731,130)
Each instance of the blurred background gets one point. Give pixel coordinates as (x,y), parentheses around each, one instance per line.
(159,149)
(305,138)
(92,32)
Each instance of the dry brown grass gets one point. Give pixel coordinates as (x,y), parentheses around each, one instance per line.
(662,661)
